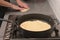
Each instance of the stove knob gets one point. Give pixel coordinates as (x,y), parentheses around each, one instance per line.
(8,30)
(7,37)
(7,33)
(9,25)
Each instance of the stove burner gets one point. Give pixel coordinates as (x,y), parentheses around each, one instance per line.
(12,32)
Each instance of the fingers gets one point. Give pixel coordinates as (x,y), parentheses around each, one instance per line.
(25,6)
(15,7)
(22,4)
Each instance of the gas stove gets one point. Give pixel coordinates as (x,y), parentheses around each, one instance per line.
(11,32)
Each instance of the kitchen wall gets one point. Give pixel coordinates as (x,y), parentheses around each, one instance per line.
(55,4)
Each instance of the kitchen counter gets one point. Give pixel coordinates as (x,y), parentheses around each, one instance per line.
(42,7)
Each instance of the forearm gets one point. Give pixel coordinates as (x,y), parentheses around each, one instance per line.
(5,3)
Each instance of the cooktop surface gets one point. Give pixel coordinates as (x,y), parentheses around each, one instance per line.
(11,32)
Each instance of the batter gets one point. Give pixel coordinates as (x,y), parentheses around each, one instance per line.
(35,26)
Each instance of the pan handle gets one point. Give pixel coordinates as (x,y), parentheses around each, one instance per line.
(10,21)
(6,20)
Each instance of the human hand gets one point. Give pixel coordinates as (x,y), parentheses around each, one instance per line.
(22,4)
(16,7)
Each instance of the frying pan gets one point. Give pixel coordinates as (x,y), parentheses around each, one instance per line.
(31,34)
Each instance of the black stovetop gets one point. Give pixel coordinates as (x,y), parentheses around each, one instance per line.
(11,32)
